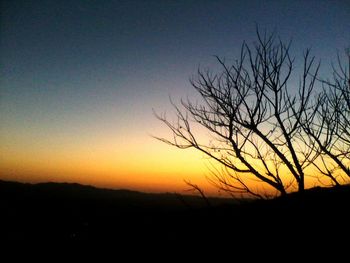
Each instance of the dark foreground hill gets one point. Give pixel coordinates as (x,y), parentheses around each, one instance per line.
(74,213)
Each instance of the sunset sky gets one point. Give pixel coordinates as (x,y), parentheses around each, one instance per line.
(79,80)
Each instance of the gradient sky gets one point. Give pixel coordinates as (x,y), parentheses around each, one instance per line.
(79,80)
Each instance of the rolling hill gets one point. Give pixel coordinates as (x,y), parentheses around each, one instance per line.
(73,213)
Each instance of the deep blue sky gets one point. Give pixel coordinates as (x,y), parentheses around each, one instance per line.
(74,72)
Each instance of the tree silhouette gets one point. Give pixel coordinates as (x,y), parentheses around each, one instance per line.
(328,124)
(253,118)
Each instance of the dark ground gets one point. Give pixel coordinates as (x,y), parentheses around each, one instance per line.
(75,214)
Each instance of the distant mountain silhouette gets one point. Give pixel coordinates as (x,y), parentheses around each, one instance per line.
(72,213)
(65,211)
(73,191)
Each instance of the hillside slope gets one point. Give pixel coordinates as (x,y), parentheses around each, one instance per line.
(71,212)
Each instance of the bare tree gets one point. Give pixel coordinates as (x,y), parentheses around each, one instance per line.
(252,118)
(328,124)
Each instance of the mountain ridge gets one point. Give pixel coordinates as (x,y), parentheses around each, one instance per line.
(72,212)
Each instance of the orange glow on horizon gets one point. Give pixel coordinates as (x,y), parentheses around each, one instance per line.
(130,161)
(142,164)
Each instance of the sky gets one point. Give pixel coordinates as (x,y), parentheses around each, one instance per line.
(79,80)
